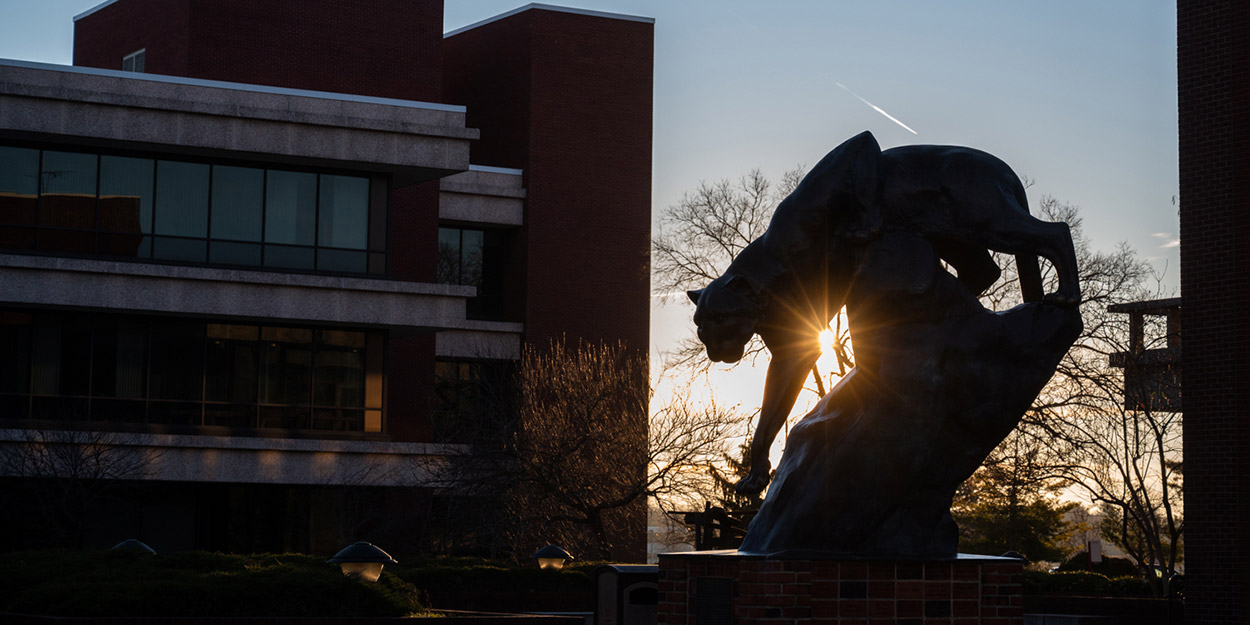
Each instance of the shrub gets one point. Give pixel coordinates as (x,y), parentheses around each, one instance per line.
(64,583)
(1085,583)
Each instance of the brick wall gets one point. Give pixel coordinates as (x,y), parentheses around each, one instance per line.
(383,48)
(567,98)
(963,592)
(1213,56)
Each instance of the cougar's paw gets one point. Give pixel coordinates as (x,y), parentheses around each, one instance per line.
(752,484)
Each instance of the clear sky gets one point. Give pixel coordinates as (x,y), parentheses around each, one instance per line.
(1079,96)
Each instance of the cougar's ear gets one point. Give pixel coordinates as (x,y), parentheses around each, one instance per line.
(862,156)
(694,296)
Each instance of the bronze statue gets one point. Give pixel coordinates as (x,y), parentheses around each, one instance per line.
(786,285)
(938,380)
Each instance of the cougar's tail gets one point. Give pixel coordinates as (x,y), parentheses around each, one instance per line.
(1030,277)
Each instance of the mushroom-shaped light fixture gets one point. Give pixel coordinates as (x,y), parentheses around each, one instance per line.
(552,557)
(133,545)
(362,559)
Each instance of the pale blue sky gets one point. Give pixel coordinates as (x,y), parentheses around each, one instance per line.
(1080,96)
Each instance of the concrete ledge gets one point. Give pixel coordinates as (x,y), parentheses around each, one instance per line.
(231,293)
(485,197)
(414,142)
(481,340)
(245,460)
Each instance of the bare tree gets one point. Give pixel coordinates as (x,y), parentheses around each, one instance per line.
(1123,455)
(702,233)
(66,472)
(571,460)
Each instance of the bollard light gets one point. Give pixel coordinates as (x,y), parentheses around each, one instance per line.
(363,560)
(552,557)
(132,544)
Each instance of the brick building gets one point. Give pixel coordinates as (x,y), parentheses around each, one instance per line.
(1213,64)
(270,246)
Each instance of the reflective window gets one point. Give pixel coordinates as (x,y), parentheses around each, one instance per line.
(125,214)
(344,212)
(475,258)
(181,199)
(197,213)
(290,207)
(238,203)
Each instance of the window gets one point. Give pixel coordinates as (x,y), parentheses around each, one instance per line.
(475,258)
(471,400)
(135,61)
(134,370)
(86,204)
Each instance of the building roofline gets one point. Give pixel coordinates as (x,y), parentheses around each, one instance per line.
(496,170)
(547,7)
(238,86)
(93,9)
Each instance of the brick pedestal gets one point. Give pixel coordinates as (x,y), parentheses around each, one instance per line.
(723,587)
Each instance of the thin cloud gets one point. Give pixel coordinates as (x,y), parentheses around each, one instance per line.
(877,108)
(1169,240)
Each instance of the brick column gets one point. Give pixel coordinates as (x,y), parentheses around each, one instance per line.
(1213,68)
(711,586)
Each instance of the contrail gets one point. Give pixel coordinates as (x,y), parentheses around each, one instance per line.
(876,108)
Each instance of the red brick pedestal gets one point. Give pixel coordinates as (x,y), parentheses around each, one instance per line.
(723,588)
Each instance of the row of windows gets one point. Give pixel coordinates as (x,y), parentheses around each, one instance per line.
(120,369)
(470,399)
(121,206)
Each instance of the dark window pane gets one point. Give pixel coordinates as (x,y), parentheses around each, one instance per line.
(234,253)
(15,337)
(60,408)
(286,374)
(123,245)
(238,194)
(189,250)
(341,260)
(174,413)
(177,369)
(448,270)
(182,199)
(231,371)
(343,219)
(471,257)
(126,194)
(118,410)
(67,194)
(230,415)
(288,257)
(14,406)
(62,359)
(339,377)
(19,185)
(70,241)
(118,368)
(290,207)
(338,420)
(286,417)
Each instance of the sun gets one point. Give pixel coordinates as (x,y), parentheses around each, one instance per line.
(827,340)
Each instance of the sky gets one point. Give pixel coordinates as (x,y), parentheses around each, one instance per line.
(1078,96)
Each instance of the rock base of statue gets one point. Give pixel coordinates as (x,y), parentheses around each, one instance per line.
(706,587)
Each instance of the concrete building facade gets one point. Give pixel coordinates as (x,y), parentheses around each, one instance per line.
(264,247)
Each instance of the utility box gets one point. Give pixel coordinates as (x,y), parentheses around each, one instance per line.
(626,594)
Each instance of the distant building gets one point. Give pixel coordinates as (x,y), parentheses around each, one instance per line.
(1152,364)
(271,246)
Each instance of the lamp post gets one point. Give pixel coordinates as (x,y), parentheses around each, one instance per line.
(552,557)
(363,560)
